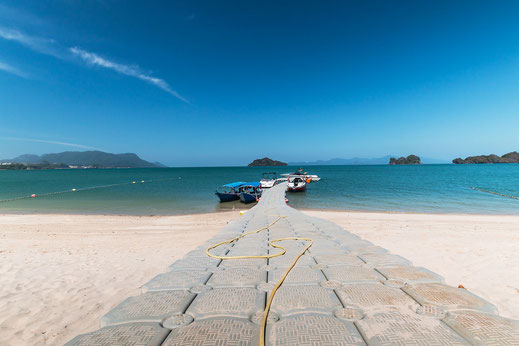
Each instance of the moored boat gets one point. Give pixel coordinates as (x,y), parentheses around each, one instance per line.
(229,192)
(268,180)
(250,192)
(308,178)
(296,183)
(312,177)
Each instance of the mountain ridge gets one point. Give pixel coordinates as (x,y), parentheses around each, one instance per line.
(87,158)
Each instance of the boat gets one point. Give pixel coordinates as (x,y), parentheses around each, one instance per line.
(268,180)
(296,183)
(250,192)
(308,178)
(229,192)
(312,177)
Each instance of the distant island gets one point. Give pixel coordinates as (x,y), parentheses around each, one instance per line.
(266,162)
(360,161)
(77,159)
(410,160)
(512,157)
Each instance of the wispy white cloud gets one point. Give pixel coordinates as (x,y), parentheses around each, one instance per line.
(11,69)
(17,16)
(129,70)
(40,44)
(49,142)
(51,47)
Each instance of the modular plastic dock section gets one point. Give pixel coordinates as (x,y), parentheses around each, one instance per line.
(343,291)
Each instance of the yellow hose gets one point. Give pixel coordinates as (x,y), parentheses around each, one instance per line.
(263,325)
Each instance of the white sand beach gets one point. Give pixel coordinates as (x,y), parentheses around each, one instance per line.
(476,251)
(61,273)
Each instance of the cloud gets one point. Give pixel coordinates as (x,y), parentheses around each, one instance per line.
(128,70)
(13,70)
(49,142)
(39,44)
(50,47)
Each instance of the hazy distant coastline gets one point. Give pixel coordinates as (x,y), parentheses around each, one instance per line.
(360,161)
(77,159)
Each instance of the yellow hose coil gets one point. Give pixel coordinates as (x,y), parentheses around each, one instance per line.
(263,325)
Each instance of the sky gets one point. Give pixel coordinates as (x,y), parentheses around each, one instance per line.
(216,83)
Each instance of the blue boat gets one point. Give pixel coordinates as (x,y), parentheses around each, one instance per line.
(250,192)
(229,192)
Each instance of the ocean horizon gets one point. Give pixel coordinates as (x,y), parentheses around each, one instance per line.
(434,188)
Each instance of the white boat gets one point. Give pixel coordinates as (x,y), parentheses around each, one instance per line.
(307,177)
(268,180)
(296,183)
(312,177)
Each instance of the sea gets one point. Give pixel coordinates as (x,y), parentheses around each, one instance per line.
(173,191)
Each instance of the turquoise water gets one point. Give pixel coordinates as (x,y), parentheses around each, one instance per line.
(425,188)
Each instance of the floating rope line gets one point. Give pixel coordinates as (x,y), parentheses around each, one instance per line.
(495,193)
(263,325)
(82,189)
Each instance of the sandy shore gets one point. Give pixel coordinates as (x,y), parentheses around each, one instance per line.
(476,251)
(61,273)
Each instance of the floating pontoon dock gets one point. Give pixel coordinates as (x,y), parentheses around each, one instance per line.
(343,291)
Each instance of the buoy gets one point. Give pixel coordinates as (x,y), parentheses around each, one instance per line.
(142,181)
(73,189)
(133,182)
(461,286)
(33,195)
(242,212)
(286,200)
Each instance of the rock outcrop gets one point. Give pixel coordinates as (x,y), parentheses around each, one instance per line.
(512,157)
(266,162)
(410,160)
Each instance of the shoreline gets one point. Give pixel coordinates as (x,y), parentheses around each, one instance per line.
(245,208)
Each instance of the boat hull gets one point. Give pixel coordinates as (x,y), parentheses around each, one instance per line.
(298,188)
(248,197)
(227,197)
(267,184)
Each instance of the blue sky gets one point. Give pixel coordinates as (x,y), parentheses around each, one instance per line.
(196,83)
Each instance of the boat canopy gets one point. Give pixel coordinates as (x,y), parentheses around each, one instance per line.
(236,184)
(253,184)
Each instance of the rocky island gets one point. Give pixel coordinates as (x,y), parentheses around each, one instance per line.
(410,160)
(266,162)
(512,157)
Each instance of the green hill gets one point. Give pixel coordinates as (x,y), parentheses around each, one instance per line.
(86,158)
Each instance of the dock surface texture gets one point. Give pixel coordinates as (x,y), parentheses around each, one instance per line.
(343,291)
